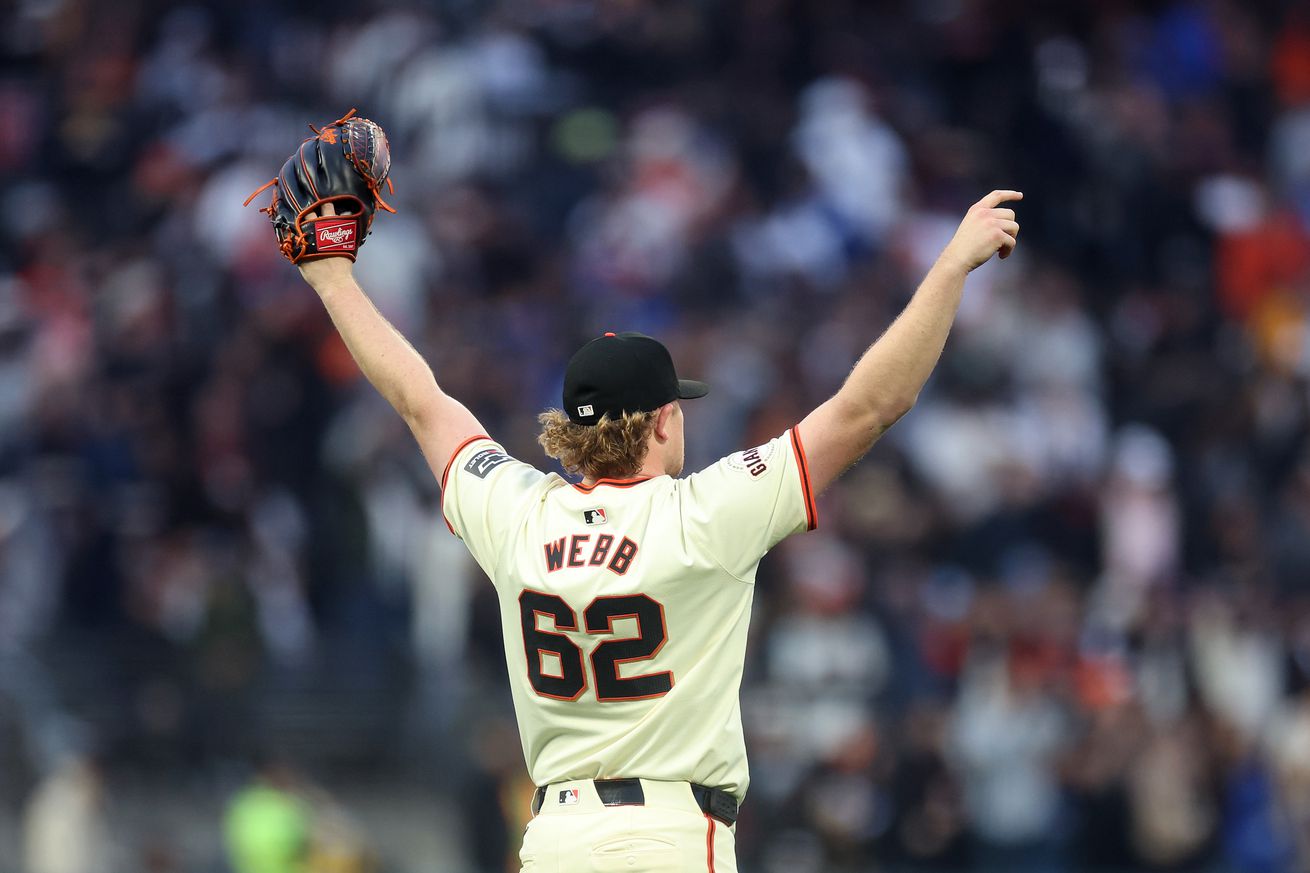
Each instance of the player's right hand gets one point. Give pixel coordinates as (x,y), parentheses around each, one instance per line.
(987,228)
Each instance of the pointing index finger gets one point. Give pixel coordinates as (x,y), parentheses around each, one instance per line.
(996,198)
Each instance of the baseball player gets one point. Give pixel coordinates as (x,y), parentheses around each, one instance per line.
(625,597)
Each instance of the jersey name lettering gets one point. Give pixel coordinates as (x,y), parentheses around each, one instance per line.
(580,550)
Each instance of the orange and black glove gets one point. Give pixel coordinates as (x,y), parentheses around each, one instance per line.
(346,163)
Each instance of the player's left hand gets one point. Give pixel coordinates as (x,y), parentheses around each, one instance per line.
(344,165)
(323,272)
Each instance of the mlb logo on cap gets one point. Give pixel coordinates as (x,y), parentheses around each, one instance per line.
(593,516)
(586,410)
(568,796)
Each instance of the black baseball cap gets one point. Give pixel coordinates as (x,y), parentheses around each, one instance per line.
(623,372)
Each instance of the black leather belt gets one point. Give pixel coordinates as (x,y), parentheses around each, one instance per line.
(628,792)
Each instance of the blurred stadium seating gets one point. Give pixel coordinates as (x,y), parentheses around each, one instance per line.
(1059,620)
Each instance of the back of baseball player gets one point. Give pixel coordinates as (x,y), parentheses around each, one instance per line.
(625,599)
(625,607)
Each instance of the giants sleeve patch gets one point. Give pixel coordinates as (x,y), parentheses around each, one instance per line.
(484,461)
(753,461)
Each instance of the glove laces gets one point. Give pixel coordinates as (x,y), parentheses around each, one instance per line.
(260,190)
(295,240)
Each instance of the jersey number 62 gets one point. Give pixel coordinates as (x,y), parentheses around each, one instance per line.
(569,680)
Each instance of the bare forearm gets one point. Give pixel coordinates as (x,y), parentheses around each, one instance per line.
(887,380)
(390,363)
(440,423)
(889,376)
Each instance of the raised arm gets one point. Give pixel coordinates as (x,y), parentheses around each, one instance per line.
(888,377)
(439,422)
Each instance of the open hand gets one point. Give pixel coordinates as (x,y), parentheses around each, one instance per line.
(987,228)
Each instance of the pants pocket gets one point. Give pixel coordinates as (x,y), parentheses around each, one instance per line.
(637,855)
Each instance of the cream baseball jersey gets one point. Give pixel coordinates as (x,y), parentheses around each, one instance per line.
(625,605)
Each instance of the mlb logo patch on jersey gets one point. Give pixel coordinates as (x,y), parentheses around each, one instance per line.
(484,461)
(568,796)
(594,516)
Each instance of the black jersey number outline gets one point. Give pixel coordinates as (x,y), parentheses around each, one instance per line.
(606,657)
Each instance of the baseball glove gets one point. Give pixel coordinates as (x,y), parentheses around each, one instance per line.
(345,164)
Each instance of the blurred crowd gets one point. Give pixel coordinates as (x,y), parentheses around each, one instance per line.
(1059,620)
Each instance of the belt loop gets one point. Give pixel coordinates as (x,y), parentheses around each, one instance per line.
(538,798)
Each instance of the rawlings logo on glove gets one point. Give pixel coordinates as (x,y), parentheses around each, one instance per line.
(334,236)
(345,164)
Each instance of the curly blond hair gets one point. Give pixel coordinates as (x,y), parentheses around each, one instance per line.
(609,449)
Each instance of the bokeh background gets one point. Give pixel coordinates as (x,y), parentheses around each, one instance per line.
(1059,620)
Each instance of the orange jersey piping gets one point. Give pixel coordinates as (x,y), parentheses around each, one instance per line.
(803,465)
